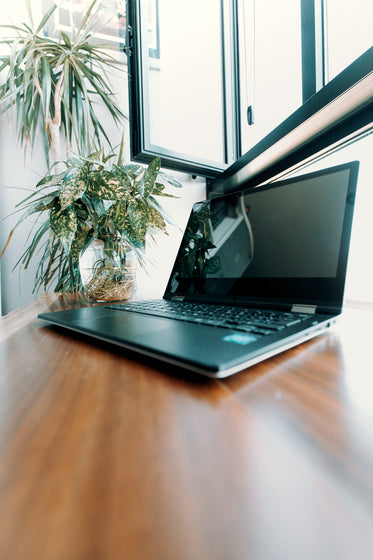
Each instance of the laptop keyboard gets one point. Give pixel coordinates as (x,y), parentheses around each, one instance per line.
(255,321)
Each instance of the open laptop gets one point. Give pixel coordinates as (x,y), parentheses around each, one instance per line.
(257,272)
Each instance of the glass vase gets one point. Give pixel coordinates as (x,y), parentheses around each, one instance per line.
(107,277)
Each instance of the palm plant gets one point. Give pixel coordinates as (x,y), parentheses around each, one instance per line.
(53,84)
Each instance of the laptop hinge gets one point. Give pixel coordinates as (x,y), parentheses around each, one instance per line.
(304,308)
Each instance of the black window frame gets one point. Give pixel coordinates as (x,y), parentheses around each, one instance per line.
(140,148)
(346,107)
(318,96)
(313,45)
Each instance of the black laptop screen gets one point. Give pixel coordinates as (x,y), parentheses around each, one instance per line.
(286,242)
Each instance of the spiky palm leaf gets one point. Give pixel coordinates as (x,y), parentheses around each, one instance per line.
(54,84)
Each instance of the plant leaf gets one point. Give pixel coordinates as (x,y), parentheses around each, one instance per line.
(45,18)
(134,169)
(79,240)
(155,219)
(7,242)
(109,185)
(158,191)
(150,176)
(99,187)
(169,179)
(135,223)
(119,211)
(100,207)
(121,150)
(64,225)
(72,187)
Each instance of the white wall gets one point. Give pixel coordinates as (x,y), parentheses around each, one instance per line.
(16,175)
(359,281)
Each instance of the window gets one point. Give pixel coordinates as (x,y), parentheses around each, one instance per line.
(209,80)
(337,93)
(270,65)
(289,61)
(183,89)
(110,30)
(337,114)
(348,32)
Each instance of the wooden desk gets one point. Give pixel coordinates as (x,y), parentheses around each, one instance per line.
(103,457)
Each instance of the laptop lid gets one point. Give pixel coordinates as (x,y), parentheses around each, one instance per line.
(282,245)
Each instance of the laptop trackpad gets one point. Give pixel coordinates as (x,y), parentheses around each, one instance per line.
(120,325)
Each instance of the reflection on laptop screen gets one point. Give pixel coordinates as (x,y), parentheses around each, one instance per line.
(272,240)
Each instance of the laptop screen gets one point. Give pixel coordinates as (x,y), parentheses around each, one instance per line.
(286,242)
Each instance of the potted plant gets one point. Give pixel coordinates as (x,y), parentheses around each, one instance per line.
(86,203)
(94,206)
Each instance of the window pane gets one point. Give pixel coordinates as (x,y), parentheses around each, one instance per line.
(349,32)
(271,77)
(185,96)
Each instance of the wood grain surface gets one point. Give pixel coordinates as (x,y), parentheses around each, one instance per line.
(103,457)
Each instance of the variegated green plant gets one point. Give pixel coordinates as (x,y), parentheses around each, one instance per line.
(93,198)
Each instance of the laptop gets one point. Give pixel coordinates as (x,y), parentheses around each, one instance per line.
(257,272)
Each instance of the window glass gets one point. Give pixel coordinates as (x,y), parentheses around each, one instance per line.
(184,83)
(349,32)
(109,30)
(185,95)
(271,73)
